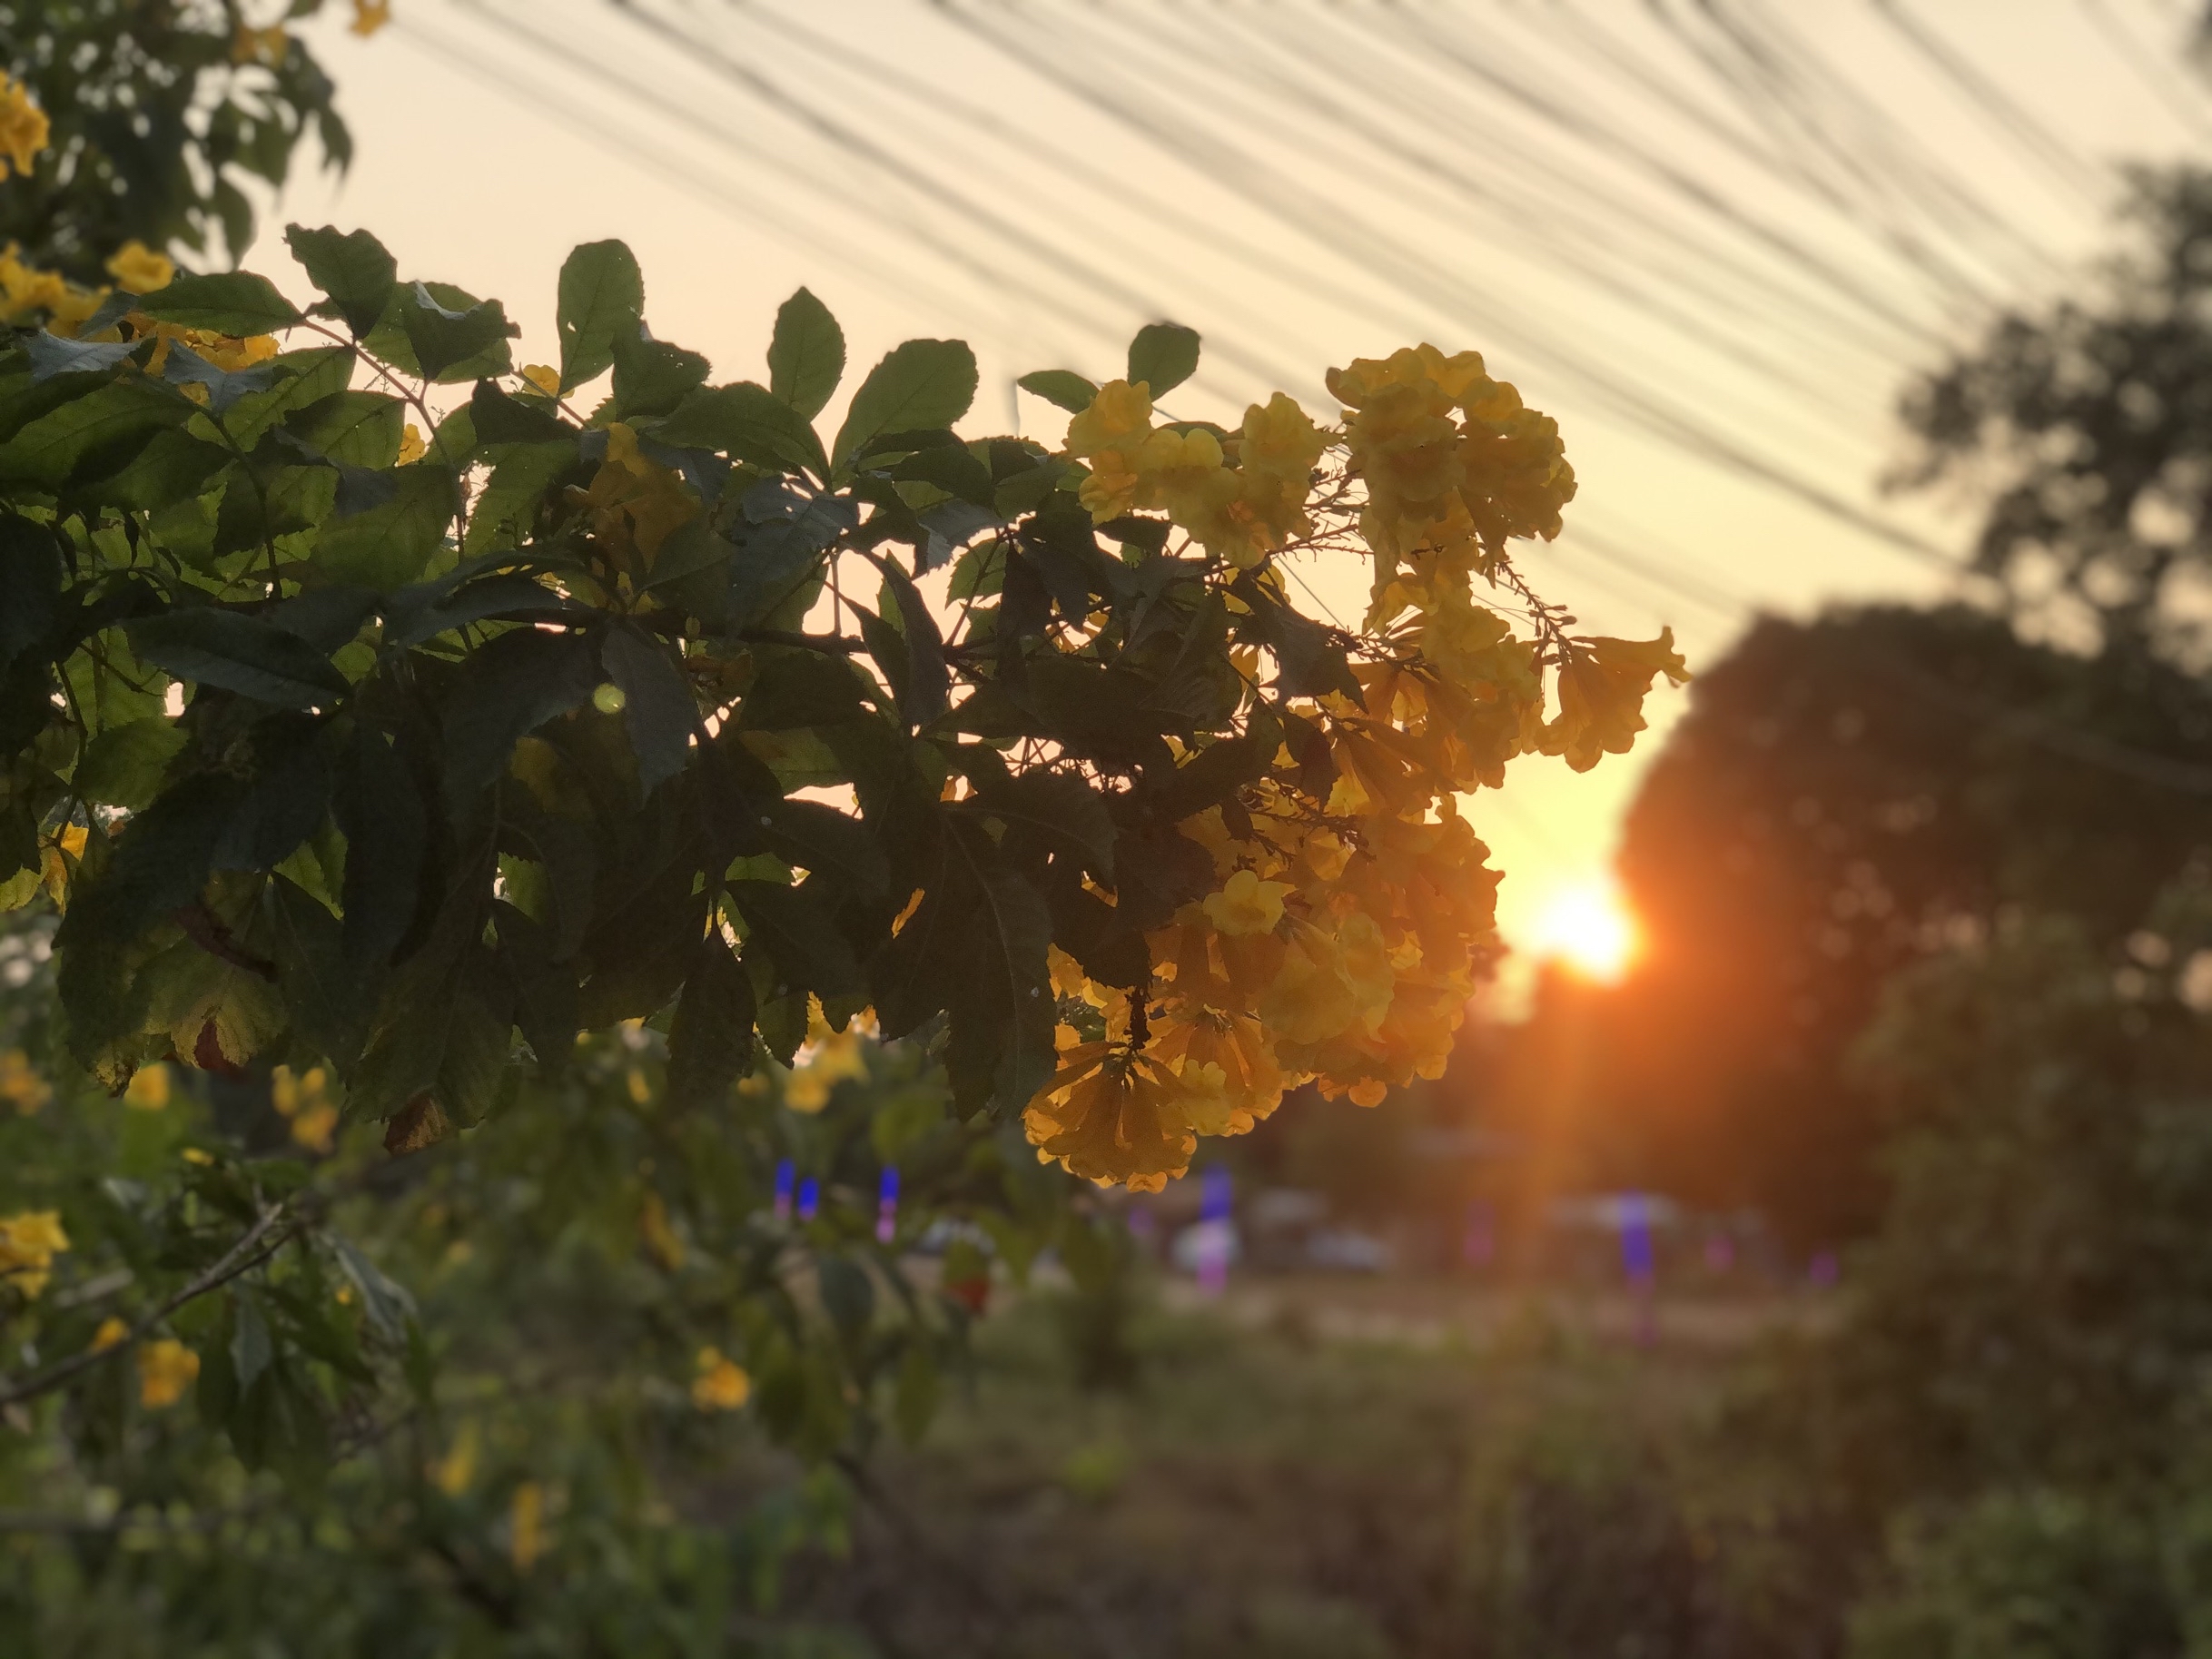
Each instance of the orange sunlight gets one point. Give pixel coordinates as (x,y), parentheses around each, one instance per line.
(1588,928)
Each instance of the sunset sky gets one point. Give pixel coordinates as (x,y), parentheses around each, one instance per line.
(1629,235)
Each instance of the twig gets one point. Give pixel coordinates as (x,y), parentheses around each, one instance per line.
(246,1254)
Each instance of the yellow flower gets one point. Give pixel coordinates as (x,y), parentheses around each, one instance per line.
(266,47)
(24,287)
(58,859)
(29,1241)
(1245,905)
(660,1240)
(1111,1120)
(140,270)
(369,16)
(545,380)
(25,130)
(111,1332)
(830,1057)
(166,1369)
(304,1100)
(411,446)
(721,1384)
(1601,687)
(526,1513)
(452,1473)
(20,1086)
(635,502)
(149,1089)
(1119,418)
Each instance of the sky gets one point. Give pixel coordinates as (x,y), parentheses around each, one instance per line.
(1714,241)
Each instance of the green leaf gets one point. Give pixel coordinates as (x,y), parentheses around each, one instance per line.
(749,423)
(799,934)
(50,355)
(518,482)
(386,546)
(920,385)
(1060,809)
(455,344)
(1163,356)
(352,267)
(506,691)
(601,300)
(710,1039)
(123,766)
(819,838)
(927,684)
(239,653)
(428,609)
(1062,387)
(806,357)
(658,712)
(233,302)
(173,467)
(95,433)
(354,428)
(503,418)
(303,378)
(250,1348)
(652,376)
(30,585)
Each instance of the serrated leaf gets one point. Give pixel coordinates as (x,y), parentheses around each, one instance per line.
(921,385)
(354,428)
(123,765)
(800,934)
(746,422)
(1163,356)
(387,544)
(352,267)
(239,653)
(806,356)
(601,298)
(454,344)
(653,377)
(93,433)
(1061,387)
(710,1039)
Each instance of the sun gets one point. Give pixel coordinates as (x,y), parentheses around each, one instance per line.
(1588,928)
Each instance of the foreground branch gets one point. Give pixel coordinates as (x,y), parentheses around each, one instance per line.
(252,1250)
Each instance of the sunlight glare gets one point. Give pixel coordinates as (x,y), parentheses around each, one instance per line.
(1588,928)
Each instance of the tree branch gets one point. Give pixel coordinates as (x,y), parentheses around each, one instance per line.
(248,1252)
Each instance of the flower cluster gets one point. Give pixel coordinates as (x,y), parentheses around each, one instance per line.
(28,294)
(1353,906)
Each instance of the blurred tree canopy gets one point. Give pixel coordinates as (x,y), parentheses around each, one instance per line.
(2088,427)
(160,109)
(1843,797)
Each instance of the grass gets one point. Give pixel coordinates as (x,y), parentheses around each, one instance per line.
(1531,1491)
